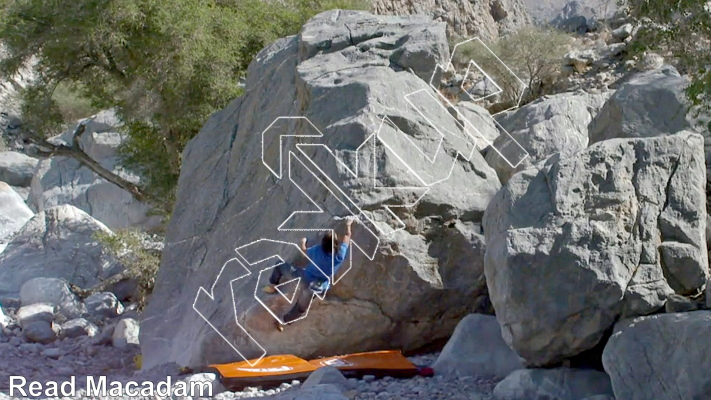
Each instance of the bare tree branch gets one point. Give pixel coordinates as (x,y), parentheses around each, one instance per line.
(76,152)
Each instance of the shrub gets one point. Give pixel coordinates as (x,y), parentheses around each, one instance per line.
(141,263)
(534,54)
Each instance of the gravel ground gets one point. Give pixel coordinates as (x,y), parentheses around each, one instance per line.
(87,356)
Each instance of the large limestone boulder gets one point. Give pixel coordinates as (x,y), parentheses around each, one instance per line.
(16,169)
(579,242)
(14,213)
(649,104)
(487,19)
(549,125)
(345,71)
(672,348)
(63,180)
(477,349)
(553,384)
(56,243)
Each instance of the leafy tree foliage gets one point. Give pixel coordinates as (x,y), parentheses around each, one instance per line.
(164,65)
(682,28)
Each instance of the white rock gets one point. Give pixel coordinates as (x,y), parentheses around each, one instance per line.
(57,243)
(103,305)
(4,319)
(16,169)
(623,32)
(36,312)
(477,349)
(125,333)
(14,213)
(53,291)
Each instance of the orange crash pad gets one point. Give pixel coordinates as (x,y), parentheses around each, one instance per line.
(274,370)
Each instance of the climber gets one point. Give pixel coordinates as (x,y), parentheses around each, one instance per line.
(331,252)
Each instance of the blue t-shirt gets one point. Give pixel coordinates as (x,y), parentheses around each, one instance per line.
(323,262)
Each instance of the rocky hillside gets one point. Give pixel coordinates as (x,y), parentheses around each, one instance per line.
(487,19)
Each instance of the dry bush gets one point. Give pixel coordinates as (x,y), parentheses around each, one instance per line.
(533,54)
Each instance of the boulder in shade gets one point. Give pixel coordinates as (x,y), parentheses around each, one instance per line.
(553,384)
(477,349)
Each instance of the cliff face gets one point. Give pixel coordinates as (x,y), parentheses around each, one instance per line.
(487,19)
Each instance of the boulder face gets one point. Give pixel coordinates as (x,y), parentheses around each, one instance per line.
(581,241)
(670,347)
(56,243)
(16,169)
(487,19)
(14,213)
(63,180)
(649,104)
(549,125)
(344,72)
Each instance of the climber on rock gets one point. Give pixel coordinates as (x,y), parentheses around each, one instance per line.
(331,251)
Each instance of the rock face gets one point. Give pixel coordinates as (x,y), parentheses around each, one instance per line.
(650,104)
(421,281)
(669,347)
(14,213)
(581,241)
(576,17)
(477,349)
(56,243)
(554,384)
(549,125)
(16,169)
(487,19)
(63,180)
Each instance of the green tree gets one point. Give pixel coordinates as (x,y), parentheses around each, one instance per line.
(164,65)
(683,29)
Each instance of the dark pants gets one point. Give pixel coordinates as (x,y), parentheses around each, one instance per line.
(285,272)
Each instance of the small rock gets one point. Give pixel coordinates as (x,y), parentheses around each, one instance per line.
(78,327)
(39,331)
(125,333)
(368,378)
(103,305)
(651,61)
(328,375)
(51,353)
(676,303)
(36,312)
(623,32)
